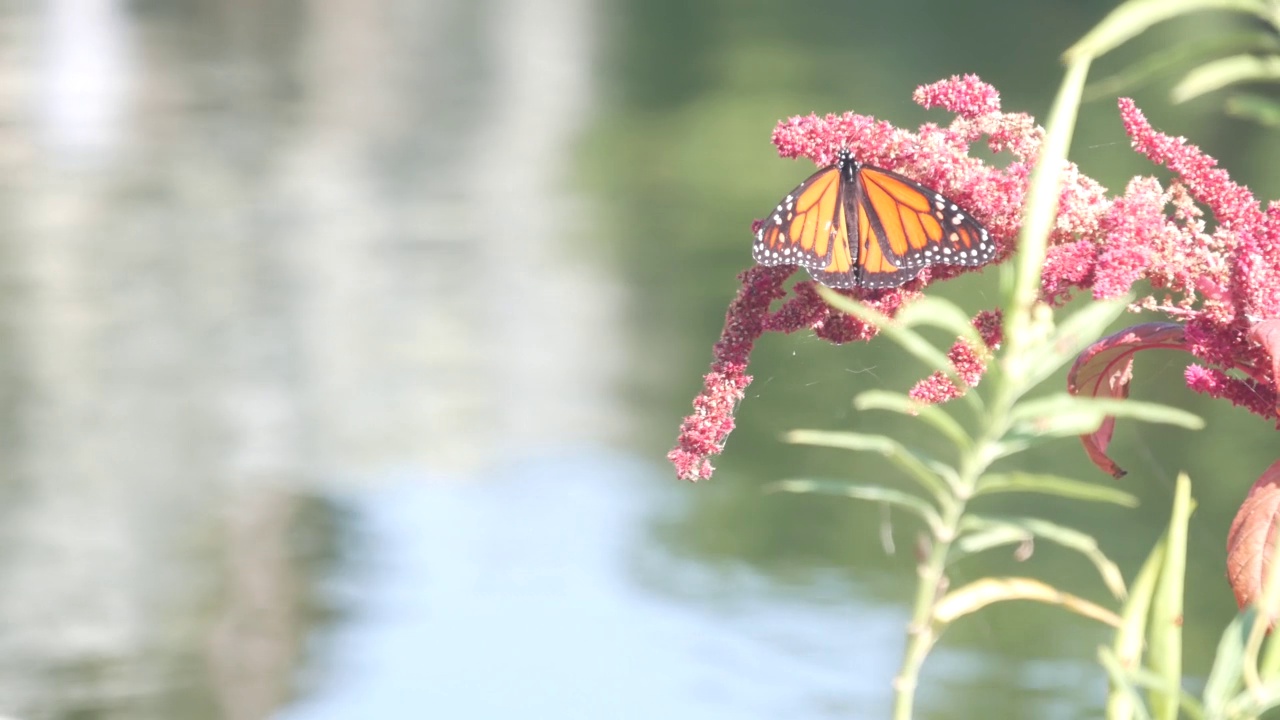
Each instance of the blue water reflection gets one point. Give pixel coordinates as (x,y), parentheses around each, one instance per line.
(524,596)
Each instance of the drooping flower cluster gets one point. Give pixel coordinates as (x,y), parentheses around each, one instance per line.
(970,363)
(703,433)
(1222,285)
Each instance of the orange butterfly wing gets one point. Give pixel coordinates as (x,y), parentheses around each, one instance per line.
(852,225)
(808,227)
(915,227)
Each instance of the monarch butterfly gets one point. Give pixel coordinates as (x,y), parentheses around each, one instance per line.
(853,225)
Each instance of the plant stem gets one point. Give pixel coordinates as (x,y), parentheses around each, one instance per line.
(923,632)
(920,634)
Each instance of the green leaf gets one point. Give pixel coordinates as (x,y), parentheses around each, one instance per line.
(1166,607)
(1155,684)
(935,416)
(1223,72)
(842,440)
(1178,55)
(914,464)
(1040,212)
(1131,637)
(913,342)
(940,313)
(949,475)
(1010,445)
(1134,17)
(1225,678)
(1072,335)
(1269,665)
(1081,421)
(1062,414)
(1255,702)
(876,493)
(980,593)
(1124,701)
(978,540)
(1258,108)
(1070,538)
(1053,485)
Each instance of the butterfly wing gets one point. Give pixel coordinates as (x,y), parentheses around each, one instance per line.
(808,227)
(915,227)
(848,269)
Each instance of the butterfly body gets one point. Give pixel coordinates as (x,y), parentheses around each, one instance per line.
(854,225)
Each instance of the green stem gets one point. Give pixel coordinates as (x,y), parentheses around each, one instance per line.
(923,631)
(1042,198)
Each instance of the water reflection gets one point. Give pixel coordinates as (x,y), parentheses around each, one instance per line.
(84,74)
(246,262)
(519,597)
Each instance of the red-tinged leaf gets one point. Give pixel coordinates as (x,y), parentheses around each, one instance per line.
(1252,537)
(1267,334)
(1104,370)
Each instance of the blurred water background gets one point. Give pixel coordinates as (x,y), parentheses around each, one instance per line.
(341,343)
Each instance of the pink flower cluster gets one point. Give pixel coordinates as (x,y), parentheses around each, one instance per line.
(1222,285)
(703,433)
(1219,284)
(970,363)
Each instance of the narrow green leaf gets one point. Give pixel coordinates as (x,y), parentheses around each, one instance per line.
(1253,703)
(1136,409)
(949,475)
(940,313)
(1069,538)
(979,540)
(1053,485)
(1134,17)
(1225,678)
(1258,108)
(1010,445)
(911,503)
(843,440)
(913,342)
(1131,636)
(1223,72)
(1171,57)
(1166,606)
(1124,701)
(935,416)
(1078,421)
(1060,413)
(914,464)
(910,340)
(1039,215)
(1157,685)
(1072,335)
(1269,664)
(980,593)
